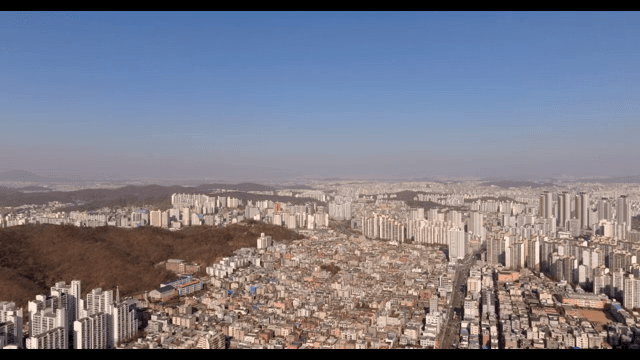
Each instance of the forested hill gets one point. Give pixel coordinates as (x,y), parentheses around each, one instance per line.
(34,257)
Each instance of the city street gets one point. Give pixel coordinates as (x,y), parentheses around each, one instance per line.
(451,329)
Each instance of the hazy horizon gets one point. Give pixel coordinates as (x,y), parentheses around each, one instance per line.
(68,176)
(259,96)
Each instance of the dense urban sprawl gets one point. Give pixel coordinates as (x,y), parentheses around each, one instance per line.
(382,265)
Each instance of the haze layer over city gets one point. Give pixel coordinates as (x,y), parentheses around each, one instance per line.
(319,180)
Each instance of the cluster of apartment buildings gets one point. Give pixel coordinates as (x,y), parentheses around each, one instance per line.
(552,261)
(340,208)
(64,320)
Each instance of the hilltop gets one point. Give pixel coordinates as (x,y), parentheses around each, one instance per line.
(505,184)
(130,195)
(488,198)
(614,180)
(236,187)
(296,187)
(408,197)
(34,257)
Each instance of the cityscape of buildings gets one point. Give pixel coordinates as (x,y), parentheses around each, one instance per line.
(319,180)
(475,267)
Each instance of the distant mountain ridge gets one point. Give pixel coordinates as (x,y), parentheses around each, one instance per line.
(246,186)
(34,188)
(511,183)
(614,180)
(26,176)
(296,187)
(130,195)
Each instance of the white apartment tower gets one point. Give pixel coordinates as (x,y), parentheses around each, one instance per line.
(97,301)
(53,339)
(624,212)
(164,217)
(605,211)
(125,324)
(11,323)
(546,205)
(564,209)
(100,302)
(73,294)
(453,217)
(186,216)
(340,210)
(457,244)
(475,225)
(156,218)
(43,302)
(631,299)
(584,210)
(91,332)
(120,324)
(263,241)
(195,219)
(49,329)
(533,254)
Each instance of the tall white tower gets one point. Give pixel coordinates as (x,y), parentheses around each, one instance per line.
(584,212)
(548,205)
(623,213)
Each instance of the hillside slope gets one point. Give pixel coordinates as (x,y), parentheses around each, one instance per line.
(33,258)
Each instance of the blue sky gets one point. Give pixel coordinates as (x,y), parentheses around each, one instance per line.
(265,95)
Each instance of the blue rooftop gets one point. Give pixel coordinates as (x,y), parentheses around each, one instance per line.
(166,289)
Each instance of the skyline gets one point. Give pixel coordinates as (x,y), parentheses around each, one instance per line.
(248,96)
